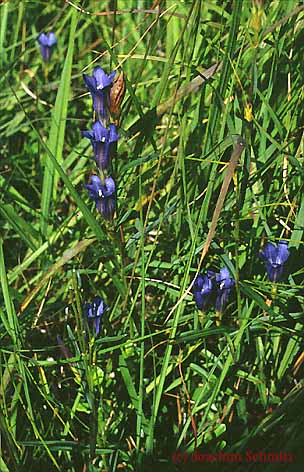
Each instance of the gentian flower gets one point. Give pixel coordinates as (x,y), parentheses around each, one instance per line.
(101,139)
(275,258)
(103,195)
(99,87)
(202,289)
(46,42)
(224,285)
(94,312)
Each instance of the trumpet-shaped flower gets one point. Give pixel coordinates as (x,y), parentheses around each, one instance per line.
(103,195)
(101,140)
(94,312)
(46,42)
(275,258)
(202,289)
(99,86)
(224,285)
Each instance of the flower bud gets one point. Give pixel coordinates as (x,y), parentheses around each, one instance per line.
(117,93)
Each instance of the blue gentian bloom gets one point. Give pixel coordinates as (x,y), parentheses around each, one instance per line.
(202,289)
(224,285)
(46,42)
(101,139)
(103,195)
(99,86)
(94,312)
(275,258)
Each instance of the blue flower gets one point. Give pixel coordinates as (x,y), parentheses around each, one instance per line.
(275,258)
(103,195)
(94,312)
(46,42)
(224,285)
(101,139)
(99,86)
(202,289)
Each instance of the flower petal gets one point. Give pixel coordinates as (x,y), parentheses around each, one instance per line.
(43,39)
(95,187)
(198,299)
(109,186)
(202,289)
(282,252)
(113,135)
(223,279)
(100,132)
(102,79)
(95,180)
(225,283)
(88,134)
(52,40)
(96,304)
(269,252)
(198,283)
(90,83)
(112,75)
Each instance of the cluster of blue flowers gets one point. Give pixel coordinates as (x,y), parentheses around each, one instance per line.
(206,285)
(103,137)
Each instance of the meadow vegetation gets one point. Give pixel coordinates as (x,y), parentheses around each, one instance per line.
(116,352)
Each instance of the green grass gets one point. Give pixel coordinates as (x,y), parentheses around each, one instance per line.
(156,381)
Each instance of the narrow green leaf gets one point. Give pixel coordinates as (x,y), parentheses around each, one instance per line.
(292,348)
(57,131)
(11,323)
